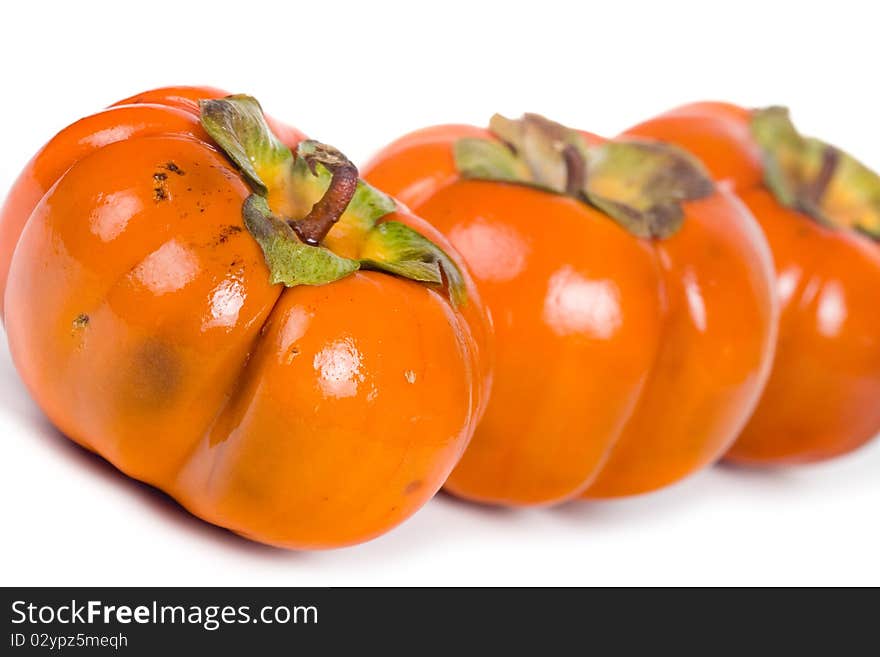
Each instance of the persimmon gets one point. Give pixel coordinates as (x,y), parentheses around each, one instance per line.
(239,321)
(820,211)
(632,301)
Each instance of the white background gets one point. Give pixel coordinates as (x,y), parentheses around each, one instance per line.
(357,75)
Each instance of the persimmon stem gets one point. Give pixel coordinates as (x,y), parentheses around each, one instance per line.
(313,228)
(817,188)
(572,157)
(575,170)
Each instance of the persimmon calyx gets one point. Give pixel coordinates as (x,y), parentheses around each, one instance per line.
(314,218)
(643,184)
(290,260)
(639,184)
(237,124)
(395,247)
(814,177)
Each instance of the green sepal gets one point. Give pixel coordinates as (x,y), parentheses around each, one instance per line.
(853,197)
(481,159)
(369,204)
(642,185)
(782,148)
(238,126)
(814,177)
(396,248)
(290,261)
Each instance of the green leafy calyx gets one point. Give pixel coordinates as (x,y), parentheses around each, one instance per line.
(313,217)
(814,177)
(639,184)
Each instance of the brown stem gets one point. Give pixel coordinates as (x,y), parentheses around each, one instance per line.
(575,170)
(313,228)
(559,136)
(816,189)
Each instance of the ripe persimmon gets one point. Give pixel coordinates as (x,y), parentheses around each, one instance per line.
(241,321)
(820,211)
(632,301)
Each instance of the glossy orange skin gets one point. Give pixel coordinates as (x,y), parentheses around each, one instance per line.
(306,417)
(621,364)
(822,396)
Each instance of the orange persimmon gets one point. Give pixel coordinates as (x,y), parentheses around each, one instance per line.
(820,211)
(632,301)
(252,329)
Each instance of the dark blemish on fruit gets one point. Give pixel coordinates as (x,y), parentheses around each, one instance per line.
(189,189)
(173,168)
(412,487)
(231,230)
(80,321)
(226,232)
(154,374)
(292,353)
(160,186)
